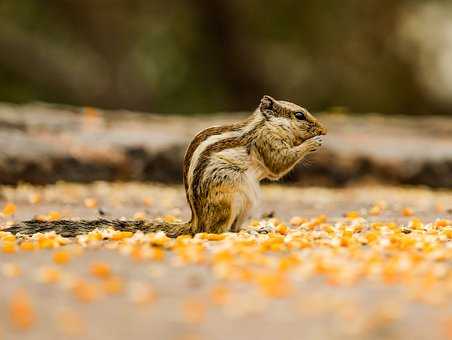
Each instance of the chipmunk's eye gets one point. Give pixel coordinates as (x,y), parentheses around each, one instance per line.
(300,115)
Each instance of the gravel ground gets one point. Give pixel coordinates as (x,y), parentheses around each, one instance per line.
(42,144)
(185,295)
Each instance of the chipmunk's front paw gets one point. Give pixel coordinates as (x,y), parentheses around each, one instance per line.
(314,143)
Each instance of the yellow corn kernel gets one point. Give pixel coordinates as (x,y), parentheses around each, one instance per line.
(8,247)
(100,269)
(157,254)
(148,201)
(442,223)
(136,253)
(447,232)
(84,291)
(113,285)
(8,238)
(282,229)
(61,257)
(224,255)
(210,237)
(274,285)
(120,235)
(352,214)
(21,311)
(375,210)
(319,220)
(27,246)
(416,224)
(407,212)
(49,275)
(346,241)
(288,262)
(9,209)
(95,236)
(54,216)
(347,233)
(371,236)
(46,243)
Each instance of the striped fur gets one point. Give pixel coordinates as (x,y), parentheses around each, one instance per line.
(223,165)
(222,169)
(204,184)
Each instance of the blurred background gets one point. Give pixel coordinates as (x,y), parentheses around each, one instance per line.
(74,74)
(199,56)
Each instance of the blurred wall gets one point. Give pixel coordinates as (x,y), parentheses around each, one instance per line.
(195,56)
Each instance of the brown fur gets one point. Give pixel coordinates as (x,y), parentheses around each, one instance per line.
(222,168)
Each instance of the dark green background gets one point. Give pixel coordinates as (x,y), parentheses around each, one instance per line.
(197,56)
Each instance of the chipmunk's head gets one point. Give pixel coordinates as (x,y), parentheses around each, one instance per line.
(291,118)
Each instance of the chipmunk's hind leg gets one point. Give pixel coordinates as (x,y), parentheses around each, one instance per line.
(217,215)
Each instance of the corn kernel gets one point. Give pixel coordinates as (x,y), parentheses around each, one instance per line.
(61,257)
(8,247)
(21,311)
(120,235)
(352,214)
(442,223)
(148,201)
(8,238)
(416,224)
(100,270)
(54,216)
(49,275)
(375,210)
(9,209)
(46,243)
(212,237)
(407,212)
(113,285)
(85,292)
(274,285)
(282,229)
(27,246)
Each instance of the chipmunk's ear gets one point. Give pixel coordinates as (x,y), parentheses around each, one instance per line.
(267,105)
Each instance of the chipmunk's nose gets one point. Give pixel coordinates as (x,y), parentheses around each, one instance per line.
(322,129)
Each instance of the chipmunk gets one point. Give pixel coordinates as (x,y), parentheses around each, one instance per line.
(223,166)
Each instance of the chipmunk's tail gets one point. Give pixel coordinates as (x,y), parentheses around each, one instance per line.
(70,228)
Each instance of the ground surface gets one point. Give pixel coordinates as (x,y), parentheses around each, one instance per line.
(331,277)
(42,144)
